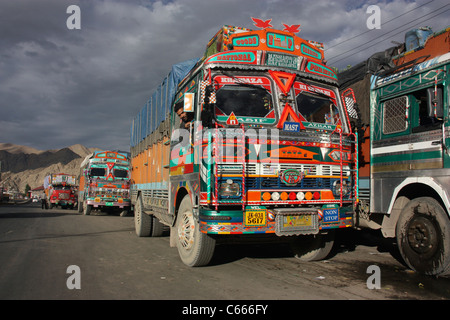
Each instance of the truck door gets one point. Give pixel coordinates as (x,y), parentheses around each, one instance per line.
(390,148)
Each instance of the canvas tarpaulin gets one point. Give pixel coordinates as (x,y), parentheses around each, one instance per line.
(159,104)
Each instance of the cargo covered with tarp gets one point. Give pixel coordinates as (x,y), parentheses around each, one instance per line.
(59,179)
(420,44)
(158,107)
(221,40)
(358,78)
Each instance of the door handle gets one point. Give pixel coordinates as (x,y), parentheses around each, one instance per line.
(434,143)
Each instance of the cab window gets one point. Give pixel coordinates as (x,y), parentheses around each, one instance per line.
(244,101)
(395,115)
(315,108)
(98,172)
(426,109)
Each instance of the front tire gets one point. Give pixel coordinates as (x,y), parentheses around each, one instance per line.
(194,247)
(423,236)
(87,208)
(142,221)
(314,248)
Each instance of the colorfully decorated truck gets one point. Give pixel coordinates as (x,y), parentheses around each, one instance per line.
(60,190)
(252,139)
(403,96)
(105,182)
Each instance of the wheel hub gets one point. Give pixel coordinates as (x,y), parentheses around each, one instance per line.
(422,236)
(186,230)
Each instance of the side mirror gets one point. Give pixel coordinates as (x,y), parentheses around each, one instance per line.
(349,101)
(189,102)
(207,115)
(351,106)
(435,108)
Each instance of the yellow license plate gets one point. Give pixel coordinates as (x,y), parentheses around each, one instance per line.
(255,218)
(302,220)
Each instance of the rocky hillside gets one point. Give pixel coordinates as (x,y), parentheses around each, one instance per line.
(21,165)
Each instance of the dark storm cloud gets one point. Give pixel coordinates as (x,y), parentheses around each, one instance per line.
(60,87)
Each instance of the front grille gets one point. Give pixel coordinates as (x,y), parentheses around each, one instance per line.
(63,196)
(276,183)
(265,169)
(109,193)
(263,176)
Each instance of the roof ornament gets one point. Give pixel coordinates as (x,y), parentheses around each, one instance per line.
(295,28)
(263,24)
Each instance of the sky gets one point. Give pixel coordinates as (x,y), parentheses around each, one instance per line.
(61,86)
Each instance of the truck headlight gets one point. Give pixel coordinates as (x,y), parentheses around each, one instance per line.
(337,188)
(229,189)
(275,196)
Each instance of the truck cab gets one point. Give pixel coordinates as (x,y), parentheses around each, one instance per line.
(267,148)
(105,182)
(60,190)
(405,157)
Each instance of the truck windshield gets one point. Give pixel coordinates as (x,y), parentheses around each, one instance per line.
(317,103)
(62,188)
(120,173)
(244,101)
(244,96)
(98,172)
(315,108)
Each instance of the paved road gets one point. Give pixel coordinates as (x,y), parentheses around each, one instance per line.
(37,247)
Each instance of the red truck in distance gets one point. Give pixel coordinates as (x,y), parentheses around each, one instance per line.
(60,190)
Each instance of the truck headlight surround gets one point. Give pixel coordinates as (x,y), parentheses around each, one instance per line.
(276,196)
(337,188)
(229,188)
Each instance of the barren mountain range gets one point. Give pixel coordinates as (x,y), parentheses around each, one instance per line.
(22,165)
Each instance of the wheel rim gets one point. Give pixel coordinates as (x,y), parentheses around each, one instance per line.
(422,236)
(186,230)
